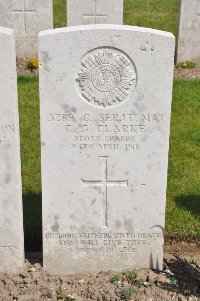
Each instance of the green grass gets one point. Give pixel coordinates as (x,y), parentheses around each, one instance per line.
(183,210)
(158,14)
(30,132)
(60,19)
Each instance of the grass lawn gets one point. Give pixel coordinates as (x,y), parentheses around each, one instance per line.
(158,14)
(183,206)
(183,197)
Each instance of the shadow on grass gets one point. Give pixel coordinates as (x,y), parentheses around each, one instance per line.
(190,203)
(32,206)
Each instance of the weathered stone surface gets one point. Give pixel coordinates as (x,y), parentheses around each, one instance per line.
(105,120)
(27,18)
(83,12)
(189,31)
(11,217)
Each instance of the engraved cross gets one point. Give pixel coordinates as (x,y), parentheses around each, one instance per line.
(24,13)
(104,183)
(94,16)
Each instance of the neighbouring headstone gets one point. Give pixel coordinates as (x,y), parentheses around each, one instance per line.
(83,12)
(105,120)
(11,217)
(189,31)
(27,18)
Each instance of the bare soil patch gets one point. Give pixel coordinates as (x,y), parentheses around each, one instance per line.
(179,281)
(22,68)
(187,73)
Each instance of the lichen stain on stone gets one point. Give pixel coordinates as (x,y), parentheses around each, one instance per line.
(5,202)
(93,202)
(118,224)
(46,59)
(144,138)
(7,179)
(55,227)
(98,189)
(74,110)
(68,109)
(128,223)
(8,146)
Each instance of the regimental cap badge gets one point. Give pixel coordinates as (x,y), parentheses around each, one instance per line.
(105,77)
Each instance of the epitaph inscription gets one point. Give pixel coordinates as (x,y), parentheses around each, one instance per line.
(104,242)
(105,77)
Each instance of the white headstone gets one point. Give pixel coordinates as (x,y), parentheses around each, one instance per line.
(189,31)
(105,120)
(11,217)
(82,12)
(27,18)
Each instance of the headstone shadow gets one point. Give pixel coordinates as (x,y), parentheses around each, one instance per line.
(190,203)
(187,275)
(32,206)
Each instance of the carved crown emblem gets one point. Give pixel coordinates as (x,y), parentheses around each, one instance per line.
(105,77)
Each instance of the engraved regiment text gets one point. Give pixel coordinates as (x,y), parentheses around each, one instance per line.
(106,132)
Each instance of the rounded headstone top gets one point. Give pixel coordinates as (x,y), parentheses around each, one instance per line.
(106,27)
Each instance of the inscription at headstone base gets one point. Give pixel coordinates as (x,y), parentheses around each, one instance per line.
(27,18)
(189,27)
(105,95)
(82,12)
(11,217)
